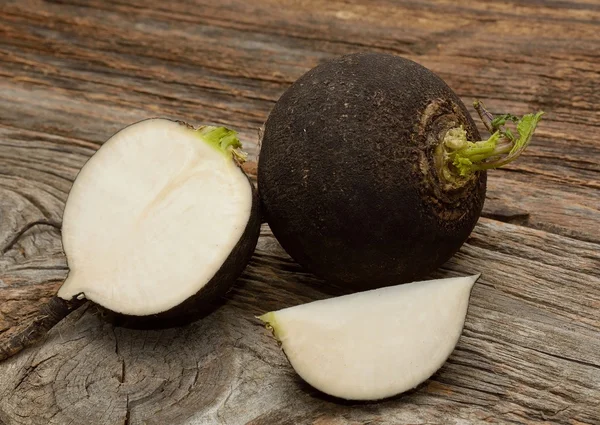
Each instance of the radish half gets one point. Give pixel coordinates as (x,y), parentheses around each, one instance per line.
(162,214)
(374,344)
(157,227)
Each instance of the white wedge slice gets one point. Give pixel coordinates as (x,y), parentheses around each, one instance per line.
(374,344)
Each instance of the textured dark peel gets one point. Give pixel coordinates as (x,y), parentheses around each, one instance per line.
(346,171)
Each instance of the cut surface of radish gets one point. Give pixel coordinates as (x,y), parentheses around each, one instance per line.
(153,215)
(374,344)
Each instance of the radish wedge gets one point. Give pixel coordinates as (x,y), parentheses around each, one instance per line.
(374,344)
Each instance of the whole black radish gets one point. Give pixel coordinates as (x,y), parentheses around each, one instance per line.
(372,172)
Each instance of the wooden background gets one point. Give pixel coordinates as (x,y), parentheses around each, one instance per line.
(72,72)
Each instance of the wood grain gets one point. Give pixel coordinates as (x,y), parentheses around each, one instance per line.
(73,72)
(228,369)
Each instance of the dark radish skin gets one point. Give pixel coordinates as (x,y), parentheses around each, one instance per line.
(367,175)
(194,306)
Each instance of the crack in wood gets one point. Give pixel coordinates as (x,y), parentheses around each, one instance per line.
(26,228)
(121,359)
(127,413)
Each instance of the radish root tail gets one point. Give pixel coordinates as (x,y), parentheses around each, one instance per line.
(33,331)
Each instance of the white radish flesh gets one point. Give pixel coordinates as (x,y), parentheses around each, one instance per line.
(374,344)
(151,218)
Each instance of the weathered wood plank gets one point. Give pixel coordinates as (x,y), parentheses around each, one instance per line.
(73,72)
(164,80)
(521,359)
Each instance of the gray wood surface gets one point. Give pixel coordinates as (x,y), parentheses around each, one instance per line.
(72,72)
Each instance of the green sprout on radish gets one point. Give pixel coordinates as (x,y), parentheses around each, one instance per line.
(499,149)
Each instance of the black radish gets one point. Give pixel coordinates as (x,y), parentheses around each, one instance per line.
(372,172)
